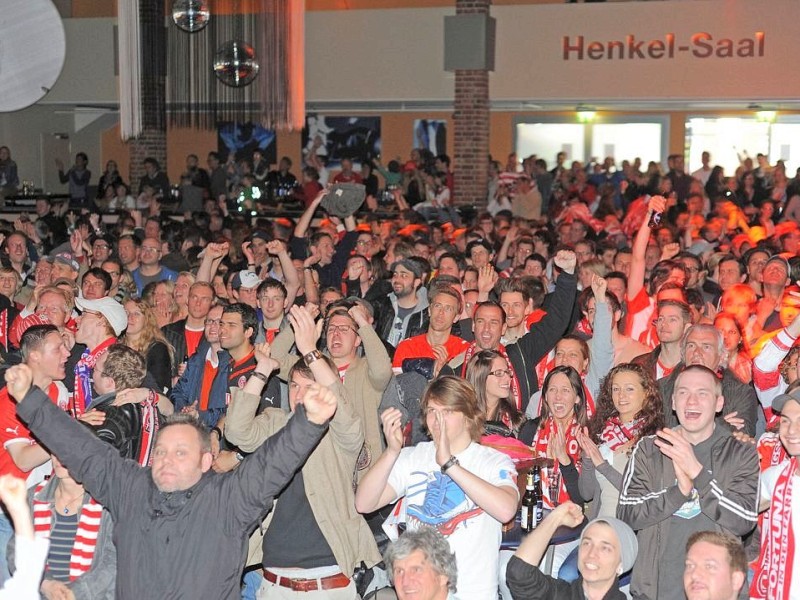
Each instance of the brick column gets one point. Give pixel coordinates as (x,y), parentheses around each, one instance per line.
(471,124)
(153,139)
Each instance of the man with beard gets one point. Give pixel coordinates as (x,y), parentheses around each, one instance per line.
(402,313)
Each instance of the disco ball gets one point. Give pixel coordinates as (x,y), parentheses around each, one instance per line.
(190,15)
(235,64)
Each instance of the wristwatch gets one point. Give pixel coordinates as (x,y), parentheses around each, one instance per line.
(311,357)
(451,462)
(239,457)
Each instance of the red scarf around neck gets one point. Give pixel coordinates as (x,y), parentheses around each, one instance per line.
(773,576)
(85,538)
(540,442)
(616,433)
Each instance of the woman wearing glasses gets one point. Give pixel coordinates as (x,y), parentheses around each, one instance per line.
(489,374)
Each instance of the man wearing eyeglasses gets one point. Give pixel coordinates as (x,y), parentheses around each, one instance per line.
(437,343)
(150,268)
(348,327)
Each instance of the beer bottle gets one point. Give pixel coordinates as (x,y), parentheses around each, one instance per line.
(528,511)
(537,494)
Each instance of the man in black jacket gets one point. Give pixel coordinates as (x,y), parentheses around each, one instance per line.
(181,529)
(130,427)
(523,355)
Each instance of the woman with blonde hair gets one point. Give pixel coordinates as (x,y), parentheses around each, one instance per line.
(160,295)
(144,335)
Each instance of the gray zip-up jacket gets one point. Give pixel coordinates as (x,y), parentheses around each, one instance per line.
(727,489)
(182,545)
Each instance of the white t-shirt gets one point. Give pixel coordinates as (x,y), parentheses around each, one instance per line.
(767,487)
(433,499)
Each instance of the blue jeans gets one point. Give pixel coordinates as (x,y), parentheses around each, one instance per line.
(569,568)
(252,582)
(6,533)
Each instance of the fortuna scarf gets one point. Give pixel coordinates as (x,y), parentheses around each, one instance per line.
(616,433)
(149,428)
(540,441)
(773,575)
(515,389)
(85,538)
(82,396)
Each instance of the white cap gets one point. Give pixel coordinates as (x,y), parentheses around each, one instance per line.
(112,310)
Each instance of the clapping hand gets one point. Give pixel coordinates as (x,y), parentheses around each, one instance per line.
(589,448)
(557,446)
(306,332)
(440,439)
(392,423)
(677,448)
(264,361)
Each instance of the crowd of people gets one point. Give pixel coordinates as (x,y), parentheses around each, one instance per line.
(208,402)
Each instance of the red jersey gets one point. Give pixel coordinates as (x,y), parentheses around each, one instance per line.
(13,431)
(418,347)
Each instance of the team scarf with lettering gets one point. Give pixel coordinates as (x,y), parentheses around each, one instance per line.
(82,396)
(516,394)
(540,441)
(149,428)
(85,537)
(773,575)
(616,433)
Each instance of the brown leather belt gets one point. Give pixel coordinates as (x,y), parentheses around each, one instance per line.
(331,582)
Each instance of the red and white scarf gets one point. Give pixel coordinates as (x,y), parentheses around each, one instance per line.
(540,443)
(82,396)
(149,428)
(516,394)
(85,538)
(616,433)
(773,575)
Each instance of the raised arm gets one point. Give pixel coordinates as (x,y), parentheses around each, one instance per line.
(212,257)
(97,465)
(290,277)
(636,277)
(374,490)
(379,365)
(262,475)
(544,334)
(305,220)
(602,358)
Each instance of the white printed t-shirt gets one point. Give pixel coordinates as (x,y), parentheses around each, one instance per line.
(435,500)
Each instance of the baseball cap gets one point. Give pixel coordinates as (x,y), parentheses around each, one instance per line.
(260,235)
(112,310)
(409,265)
(66,258)
(779,402)
(245,279)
